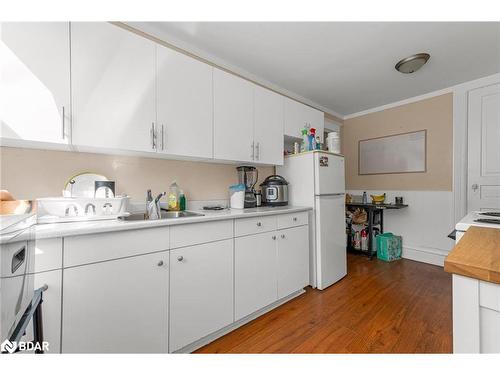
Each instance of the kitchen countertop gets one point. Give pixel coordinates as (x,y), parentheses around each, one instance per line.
(477,255)
(468,221)
(101,226)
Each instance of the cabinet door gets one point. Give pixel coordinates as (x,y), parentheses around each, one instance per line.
(113,87)
(233,117)
(293,260)
(35,81)
(118,306)
(184,105)
(268,126)
(255,276)
(51,309)
(201,291)
(298,115)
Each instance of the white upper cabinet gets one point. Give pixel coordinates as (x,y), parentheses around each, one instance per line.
(268,126)
(184,105)
(113,87)
(35,81)
(233,118)
(298,116)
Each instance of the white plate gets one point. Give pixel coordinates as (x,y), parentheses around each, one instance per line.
(83,185)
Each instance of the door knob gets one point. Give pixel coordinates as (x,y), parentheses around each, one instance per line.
(160,263)
(180,258)
(475,187)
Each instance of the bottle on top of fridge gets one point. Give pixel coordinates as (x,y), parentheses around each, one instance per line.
(365,198)
(318,143)
(173,197)
(305,140)
(312,139)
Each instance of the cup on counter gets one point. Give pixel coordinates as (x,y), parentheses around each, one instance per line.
(399,200)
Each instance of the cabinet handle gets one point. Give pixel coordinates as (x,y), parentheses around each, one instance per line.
(294,219)
(273,237)
(252,156)
(257,154)
(180,258)
(160,263)
(152,132)
(63,122)
(282,236)
(162,138)
(259,224)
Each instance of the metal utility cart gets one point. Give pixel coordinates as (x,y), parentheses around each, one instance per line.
(374,210)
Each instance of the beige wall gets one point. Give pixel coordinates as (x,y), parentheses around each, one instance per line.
(29,173)
(434,114)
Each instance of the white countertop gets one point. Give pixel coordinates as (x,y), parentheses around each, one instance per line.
(468,220)
(79,228)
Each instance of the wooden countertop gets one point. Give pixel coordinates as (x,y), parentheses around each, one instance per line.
(477,255)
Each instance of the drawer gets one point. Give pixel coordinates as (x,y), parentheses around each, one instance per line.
(253,225)
(106,246)
(489,295)
(293,220)
(48,254)
(193,234)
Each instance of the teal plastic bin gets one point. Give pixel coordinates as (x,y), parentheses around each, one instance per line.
(389,247)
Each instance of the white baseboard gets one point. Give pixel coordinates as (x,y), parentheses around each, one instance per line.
(223,331)
(425,255)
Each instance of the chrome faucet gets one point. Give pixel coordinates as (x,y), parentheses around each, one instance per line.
(89,205)
(75,209)
(153,210)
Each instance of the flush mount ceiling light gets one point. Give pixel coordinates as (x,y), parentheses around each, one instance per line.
(412,63)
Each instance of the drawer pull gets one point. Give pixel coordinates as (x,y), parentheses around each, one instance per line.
(273,237)
(294,219)
(282,236)
(180,258)
(259,224)
(160,263)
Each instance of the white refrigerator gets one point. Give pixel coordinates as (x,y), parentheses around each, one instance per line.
(317,179)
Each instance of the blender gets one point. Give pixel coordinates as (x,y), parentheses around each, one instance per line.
(248,176)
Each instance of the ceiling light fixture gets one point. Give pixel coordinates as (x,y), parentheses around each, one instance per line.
(412,63)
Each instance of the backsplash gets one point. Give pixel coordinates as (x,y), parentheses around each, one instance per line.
(30,173)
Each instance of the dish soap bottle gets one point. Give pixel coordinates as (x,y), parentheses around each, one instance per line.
(182,201)
(173,197)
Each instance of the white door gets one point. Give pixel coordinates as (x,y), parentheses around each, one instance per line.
(117,306)
(330,240)
(233,117)
(293,260)
(268,126)
(201,291)
(484,149)
(329,174)
(113,87)
(255,273)
(35,81)
(184,105)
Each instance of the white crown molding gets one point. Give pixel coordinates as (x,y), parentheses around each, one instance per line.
(483,81)
(208,58)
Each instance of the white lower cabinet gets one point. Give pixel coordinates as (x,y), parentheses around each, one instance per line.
(118,306)
(201,291)
(255,273)
(269,266)
(293,260)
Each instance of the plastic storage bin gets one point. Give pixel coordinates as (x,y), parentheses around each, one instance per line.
(237,196)
(389,247)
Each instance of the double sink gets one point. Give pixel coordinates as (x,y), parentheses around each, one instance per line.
(164,215)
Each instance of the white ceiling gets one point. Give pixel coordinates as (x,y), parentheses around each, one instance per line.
(345,67)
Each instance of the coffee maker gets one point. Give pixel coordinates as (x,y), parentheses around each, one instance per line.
(248,176)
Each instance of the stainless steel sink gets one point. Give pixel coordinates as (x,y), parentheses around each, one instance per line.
(164,215)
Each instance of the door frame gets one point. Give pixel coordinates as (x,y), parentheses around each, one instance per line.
(460,140)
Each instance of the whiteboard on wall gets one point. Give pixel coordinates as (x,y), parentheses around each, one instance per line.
(399,153)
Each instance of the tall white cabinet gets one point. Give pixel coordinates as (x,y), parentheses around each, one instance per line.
(184,105)
(35,81)
(113,87)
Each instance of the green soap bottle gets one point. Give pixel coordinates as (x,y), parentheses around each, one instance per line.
(182,201)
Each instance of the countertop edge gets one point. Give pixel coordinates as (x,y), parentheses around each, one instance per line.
(45,231)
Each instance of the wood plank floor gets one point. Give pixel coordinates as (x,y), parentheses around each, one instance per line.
(399,307)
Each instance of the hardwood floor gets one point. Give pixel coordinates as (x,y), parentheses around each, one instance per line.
(379,307)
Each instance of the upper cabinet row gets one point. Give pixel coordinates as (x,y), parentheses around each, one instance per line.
(98,86)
